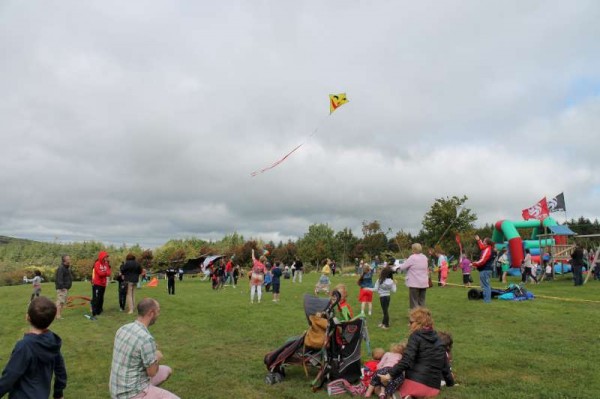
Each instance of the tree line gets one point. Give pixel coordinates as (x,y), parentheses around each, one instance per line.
(447,222)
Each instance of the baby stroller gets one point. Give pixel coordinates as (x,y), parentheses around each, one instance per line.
(331,346)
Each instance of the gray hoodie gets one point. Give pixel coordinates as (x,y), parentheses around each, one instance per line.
(386,288)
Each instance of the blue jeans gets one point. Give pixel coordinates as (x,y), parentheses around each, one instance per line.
(484,280)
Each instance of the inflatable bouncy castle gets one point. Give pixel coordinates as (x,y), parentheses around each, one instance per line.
(506,235)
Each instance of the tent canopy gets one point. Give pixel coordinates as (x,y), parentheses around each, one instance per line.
(562,230)
(211,259)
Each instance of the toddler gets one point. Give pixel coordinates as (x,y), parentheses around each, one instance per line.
(345,311)
(548,272)
(389,360)
(447,341)
(371,366)
(37,285)
(323,283)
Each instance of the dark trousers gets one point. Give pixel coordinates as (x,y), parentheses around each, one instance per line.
(97,299)
(171,286)
(578,274)
(416,297)
(122,295)
(385,305)
(526,273)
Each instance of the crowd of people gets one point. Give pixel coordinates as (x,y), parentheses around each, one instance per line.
(417,367)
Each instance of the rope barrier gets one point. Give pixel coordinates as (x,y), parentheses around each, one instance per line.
(536,296)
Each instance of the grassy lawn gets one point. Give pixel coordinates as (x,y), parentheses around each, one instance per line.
(215,341)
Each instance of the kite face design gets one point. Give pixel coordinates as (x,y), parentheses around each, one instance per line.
(336,101)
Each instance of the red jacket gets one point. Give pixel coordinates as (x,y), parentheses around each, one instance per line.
(484,260)
(101,270)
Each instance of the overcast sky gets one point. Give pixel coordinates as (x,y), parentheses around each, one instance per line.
(141,121)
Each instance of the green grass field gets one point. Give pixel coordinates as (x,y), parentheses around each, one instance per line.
(215,341)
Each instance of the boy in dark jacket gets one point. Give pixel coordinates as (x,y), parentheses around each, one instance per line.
(28,373)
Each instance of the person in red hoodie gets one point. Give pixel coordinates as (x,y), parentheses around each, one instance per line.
(99,274)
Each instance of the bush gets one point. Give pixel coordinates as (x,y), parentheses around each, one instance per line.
(14,277)
(82,269)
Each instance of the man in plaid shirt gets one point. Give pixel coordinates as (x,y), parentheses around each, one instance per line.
(135,372)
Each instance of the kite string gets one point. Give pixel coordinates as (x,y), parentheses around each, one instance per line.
(274,164)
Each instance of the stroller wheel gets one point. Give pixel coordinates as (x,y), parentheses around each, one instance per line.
(277,377)
(270,379)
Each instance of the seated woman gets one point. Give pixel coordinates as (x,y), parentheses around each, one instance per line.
(424,362)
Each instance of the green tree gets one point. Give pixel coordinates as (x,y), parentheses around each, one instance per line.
(401,244)
(317,244)
(446,217)
(374,240)
(345,244)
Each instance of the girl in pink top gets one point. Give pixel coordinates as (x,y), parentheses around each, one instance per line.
(442,264)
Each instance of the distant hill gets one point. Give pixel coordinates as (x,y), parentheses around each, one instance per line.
(11,240)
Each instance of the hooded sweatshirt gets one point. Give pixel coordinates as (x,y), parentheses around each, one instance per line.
(424,360)
(386,287)
(28,373)
(101,270)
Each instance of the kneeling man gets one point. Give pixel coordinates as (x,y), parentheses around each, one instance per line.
(135,371)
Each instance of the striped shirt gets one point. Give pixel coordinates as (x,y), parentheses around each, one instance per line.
(134,351)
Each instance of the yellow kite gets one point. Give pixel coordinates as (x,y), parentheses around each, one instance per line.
(336,101)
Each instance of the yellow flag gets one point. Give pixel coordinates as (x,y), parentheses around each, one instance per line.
(336,101)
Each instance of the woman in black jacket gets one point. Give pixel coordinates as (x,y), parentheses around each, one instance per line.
(131,270)
(424,362)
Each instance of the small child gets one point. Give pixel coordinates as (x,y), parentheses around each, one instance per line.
(343,306)
(214,277)
(548,272)
(370,366)
(323,283)
(465,266)
(122,291)
(28,373)
(389,360)
(268,280)
(276,281)
(447,341)
(37,285)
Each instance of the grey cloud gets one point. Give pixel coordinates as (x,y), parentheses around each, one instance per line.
(131,126)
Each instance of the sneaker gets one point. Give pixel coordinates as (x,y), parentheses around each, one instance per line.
(93,318)
(87,316)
